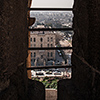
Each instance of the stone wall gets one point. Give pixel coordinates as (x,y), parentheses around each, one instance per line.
(86,54)
(14,83)
(86,47)
(36,90)
(13,49)
(84,85)
(50,94)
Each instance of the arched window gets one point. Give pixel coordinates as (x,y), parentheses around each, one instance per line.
(31,39)
(31,54)
(41,39)
(34,39)
(34,60)
(48,39)
(41,56)
(51,54)
(63,27)
(48,54)
(48,45)
(41,45)
(34,54)
(51,39)
(34,45)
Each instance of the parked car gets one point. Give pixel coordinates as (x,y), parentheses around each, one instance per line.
(58,51)
(58,63)
(60,54)
(50,62)
(57,72)
(39,73)
(48,72)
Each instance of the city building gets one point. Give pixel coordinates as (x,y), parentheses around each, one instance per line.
(42,39)
(66,53)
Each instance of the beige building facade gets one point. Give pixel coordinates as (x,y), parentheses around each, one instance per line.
(42,39)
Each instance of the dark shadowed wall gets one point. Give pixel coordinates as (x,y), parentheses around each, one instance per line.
(13,49)
(84,84)
(86,45)
(86,54)
(14,83)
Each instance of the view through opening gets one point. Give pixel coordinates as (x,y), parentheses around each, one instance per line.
(51,19)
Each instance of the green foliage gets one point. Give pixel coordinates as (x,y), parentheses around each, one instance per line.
(49,82)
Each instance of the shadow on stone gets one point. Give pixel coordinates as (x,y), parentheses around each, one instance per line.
(36,90)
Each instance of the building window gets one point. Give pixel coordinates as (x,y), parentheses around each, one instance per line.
(51,45)
(34,54)
(41,45)
(34,60)
(31,39)
(31,60)
(41,39)
(51,54)
(43,32)
(34,39)
(34,45)
(41,56)
(31,54)
(51,38)
(48,45)
(48,54)
(48,39)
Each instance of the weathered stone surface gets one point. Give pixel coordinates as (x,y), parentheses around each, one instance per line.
(9,94)
(36,90)
(13,49)
(13,53)
(68,91)
(86,45)
(86,39)
(51,94)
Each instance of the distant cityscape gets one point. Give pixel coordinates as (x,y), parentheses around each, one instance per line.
(53,19)
(51,39)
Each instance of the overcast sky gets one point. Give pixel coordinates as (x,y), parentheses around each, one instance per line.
(52,3)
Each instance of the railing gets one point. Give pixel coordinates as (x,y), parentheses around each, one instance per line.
(48,48)
(50,29)
(47,67)
(51,9)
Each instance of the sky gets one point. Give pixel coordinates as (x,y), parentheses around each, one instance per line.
(52,3)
